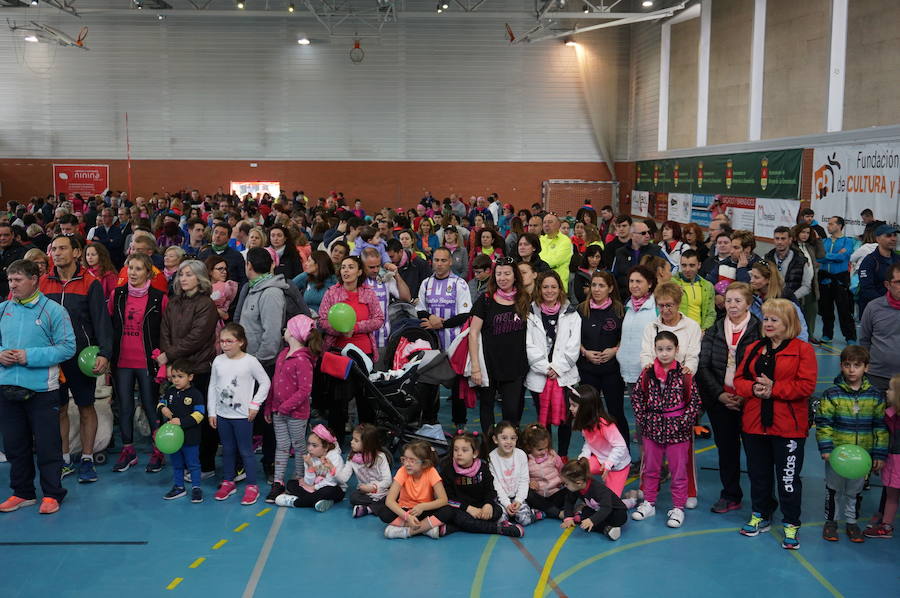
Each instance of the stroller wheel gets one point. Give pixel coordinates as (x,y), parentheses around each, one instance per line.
(100,458)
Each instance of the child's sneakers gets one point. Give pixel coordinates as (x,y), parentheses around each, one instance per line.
(675,517)
(251,495)
(127,458)
(276,491)
(226,489)
(691,502)
(613,533)
(360,511)
(879,530)
(323,505)
(512,530)
(643,511)
(632,498)
(756,525)
(393,532)
(791,540)
(196,495)
(436,532)
(830,531)
(525,515)
(285,500)
(855,534)
(175,492)
(538,514)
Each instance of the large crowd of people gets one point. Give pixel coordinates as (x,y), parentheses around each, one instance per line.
(211,312)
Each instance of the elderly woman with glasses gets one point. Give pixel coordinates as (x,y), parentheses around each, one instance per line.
(223,292)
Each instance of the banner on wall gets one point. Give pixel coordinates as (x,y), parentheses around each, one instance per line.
(700,209)
(772,213)
(86,179)
(680,207)
(774,174)
(640,203)
(741,211)
(848,179)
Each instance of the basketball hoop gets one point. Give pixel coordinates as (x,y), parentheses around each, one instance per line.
(356,54)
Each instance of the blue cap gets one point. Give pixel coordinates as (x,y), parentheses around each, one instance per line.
(886,229)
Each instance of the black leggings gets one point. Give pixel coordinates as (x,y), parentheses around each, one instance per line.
(513,397)
(551,505)
(342,392)
(309,499)
(564,430)
(148,389)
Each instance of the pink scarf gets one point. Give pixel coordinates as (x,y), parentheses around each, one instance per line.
(892,302)
(730,330)
(141,291)
(660,370)
(550,310)
(469,471)
(505,295)
(169,273)
(638,302)
(552,410)
(606,303)
(357,458)
(452,248)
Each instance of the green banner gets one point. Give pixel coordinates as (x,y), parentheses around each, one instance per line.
(773,174)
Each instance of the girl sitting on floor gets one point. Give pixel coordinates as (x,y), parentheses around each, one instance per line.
(373,472)
(320,487)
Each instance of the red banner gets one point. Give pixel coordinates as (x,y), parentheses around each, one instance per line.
(87,179)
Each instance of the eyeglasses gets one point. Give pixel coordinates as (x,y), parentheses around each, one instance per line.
(410,460)
(666,305)
(642,232)
(227,341)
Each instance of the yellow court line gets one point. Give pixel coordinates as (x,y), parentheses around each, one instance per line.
(174,583)
(704,449)
(241,527)
(548,564)
(197,563)
(809,566)
(219,544)
(263,512)
(478,580)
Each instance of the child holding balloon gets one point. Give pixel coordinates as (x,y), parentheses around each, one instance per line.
(851,413)
(182,405)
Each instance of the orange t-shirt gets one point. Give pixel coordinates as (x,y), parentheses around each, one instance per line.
(416,491)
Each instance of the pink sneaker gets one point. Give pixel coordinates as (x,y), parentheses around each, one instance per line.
(251,494)
(226,489)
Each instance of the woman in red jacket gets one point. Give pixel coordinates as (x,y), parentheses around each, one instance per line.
(775,380)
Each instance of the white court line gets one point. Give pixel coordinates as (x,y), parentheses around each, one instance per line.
(263,557)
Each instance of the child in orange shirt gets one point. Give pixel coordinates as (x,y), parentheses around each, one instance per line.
(416,494)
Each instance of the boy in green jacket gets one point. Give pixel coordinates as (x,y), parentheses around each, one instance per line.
(698,302)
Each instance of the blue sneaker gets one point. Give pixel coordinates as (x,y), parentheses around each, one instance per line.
(86,472)
(791,539)
(68,468)
(757,524)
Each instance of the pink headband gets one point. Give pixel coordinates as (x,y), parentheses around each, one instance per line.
(323,433)
(299,327)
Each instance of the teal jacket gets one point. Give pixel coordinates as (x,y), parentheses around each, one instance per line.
(699,290)
(41,327)
(847,416)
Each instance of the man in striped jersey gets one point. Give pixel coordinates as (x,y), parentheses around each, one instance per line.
(385,285)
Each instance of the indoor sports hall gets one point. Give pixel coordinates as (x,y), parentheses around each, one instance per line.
(754,113)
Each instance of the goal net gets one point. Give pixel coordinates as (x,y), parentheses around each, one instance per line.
(567,196)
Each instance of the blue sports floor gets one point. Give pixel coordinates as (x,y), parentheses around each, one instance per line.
(119,538)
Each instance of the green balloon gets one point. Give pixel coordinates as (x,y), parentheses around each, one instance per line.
(169,438)
(87,359)
(850,461)
(342,317)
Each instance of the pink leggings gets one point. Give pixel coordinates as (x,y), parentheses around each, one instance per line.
(615,480)
(654,454)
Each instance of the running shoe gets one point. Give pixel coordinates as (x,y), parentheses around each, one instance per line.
(86,472)
(127,459)
(791,539)
(756,525)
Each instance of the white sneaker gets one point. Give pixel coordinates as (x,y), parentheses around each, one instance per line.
(636,494)
(434,533)
(285,500)
(613,533)
(644,510)
(691,502)
(676,517)
(204,475)
(393,532)
(2,457)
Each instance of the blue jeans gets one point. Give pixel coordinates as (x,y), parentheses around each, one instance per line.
(237,437)
(188,457)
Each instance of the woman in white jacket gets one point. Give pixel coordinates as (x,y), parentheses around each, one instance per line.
(640,310)
(553,343)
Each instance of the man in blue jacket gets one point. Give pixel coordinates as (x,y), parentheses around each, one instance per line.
(36,335)
(834,282)
(873,269)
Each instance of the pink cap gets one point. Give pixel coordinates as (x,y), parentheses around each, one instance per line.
(299,327)
(323,433)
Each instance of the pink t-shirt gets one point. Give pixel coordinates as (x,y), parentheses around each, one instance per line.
(131,353)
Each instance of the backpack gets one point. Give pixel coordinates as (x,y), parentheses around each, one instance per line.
(294,304)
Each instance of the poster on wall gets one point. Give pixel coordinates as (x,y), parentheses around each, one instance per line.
(848,179)
(86,179)
(700,206)
(772,213)
(774,174)
(741,211)
(640,203)
(680,207)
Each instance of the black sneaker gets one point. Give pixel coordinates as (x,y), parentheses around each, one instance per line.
(175,492)
(275,492)
(513,530)
(830,531)
(157,460)
(196,495)
(723,505)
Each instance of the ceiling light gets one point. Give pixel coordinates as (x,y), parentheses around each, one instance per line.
(445,6)
(303,41)
(31,38)
(571,43)
(291,7)
(34,2)
(586,9)
(647,3)
(240,4)
(138,4)
(160,17)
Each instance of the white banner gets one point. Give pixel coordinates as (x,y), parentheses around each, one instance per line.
(640,203)
(772,213)
(850,178)
(680,207)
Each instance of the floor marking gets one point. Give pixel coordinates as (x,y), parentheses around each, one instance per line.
(98,543)
(530,558)
(264,554)
(219,544)
(264,511)
(478,580)
(809,566)
(174,583)
(197,563)
(548,564)
(704,449)
(241,527)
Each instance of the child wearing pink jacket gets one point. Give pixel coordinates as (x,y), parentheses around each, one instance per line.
(545,484)
(604,447)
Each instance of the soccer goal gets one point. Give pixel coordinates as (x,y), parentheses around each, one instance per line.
(568,195)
